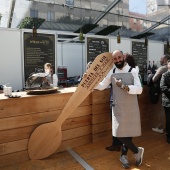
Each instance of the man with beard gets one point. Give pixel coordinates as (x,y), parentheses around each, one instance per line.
(125,111)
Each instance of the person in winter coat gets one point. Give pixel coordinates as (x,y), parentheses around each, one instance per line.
(165,88)
(156,80)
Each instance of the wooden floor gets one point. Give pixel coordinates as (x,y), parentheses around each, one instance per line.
(156,156)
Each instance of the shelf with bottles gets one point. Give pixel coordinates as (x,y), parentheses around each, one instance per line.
(151,68)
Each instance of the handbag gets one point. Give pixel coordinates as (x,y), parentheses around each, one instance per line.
(154,93)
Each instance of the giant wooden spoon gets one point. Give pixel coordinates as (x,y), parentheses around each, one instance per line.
(46,138)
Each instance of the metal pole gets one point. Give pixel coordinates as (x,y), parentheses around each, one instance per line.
(11,13)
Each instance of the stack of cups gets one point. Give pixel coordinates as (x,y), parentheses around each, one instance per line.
(7,91)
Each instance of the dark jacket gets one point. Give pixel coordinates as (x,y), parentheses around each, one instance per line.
(165,88)
(157,77)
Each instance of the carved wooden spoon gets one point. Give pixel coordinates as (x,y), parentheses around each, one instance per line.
(46,138)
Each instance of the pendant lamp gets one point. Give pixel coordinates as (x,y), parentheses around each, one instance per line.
(34,32)
(81,35)
(146,41)
(118,38)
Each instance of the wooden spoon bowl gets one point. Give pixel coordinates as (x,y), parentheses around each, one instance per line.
(46,139)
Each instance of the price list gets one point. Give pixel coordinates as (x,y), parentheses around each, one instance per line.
(96,46)
(37,52)
(139,52)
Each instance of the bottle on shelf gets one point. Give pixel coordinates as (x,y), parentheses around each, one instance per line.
(145,73)
(153,70)
(118,38)
(149,68)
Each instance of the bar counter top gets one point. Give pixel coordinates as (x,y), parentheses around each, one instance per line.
(89,123)
(24,93)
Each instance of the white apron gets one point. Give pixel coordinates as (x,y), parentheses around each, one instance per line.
(125,111)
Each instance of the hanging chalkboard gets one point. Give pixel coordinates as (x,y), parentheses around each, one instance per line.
(96,46)
(37,52)
(139,52)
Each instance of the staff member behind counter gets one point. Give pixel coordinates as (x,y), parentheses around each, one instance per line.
(51,79)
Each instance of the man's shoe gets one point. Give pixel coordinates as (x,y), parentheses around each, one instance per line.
(158,130)
(139,156)
(125,162)
(113,148)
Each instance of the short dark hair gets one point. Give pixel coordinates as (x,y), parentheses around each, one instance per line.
(167,57)
(130,60)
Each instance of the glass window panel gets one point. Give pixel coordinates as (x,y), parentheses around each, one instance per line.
(69,2)
(33,13)
(50,16)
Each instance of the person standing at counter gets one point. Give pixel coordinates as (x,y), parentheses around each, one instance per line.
(51,80)
(125,111)
(165,88)
(116,144)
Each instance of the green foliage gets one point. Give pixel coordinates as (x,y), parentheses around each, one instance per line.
(29,23)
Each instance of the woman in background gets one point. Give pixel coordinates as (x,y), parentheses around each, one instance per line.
(131,61)
(51,79)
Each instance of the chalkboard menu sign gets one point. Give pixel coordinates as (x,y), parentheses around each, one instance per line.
(139,52)
(96,46)
(37,52)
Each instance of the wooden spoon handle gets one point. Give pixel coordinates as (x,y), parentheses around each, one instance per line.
(45,139)
(101,65)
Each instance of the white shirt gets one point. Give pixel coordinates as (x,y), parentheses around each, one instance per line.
(55,81)
(137,69)
(133,89)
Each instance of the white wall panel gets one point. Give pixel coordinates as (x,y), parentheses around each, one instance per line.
(124,46)
(10,56)
(72,56)
(155,52)
(59,54)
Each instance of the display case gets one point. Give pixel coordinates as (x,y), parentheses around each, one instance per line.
(62,76)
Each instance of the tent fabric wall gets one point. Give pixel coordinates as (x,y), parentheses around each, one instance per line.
(11,58)
(155,52)
(72,55)
(124,46)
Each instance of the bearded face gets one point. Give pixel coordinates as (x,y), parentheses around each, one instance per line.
(120,64)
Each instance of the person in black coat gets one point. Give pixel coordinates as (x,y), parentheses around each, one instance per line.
(165,88)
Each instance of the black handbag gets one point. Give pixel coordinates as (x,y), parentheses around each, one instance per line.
(154,93)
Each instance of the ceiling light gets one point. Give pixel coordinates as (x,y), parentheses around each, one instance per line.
(118,38)
(146,41)
(34,32)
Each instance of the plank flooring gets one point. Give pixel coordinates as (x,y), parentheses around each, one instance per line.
(156,156)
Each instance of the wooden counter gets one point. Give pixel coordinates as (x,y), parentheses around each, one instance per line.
(89,123)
